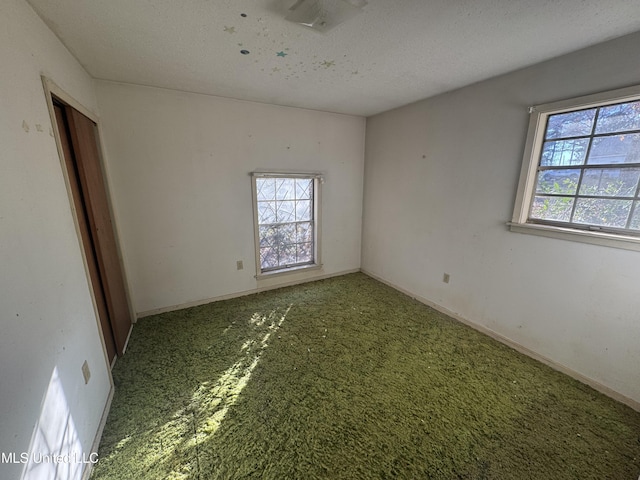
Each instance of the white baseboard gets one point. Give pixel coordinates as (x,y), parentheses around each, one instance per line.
(243,293)
(96,441)
(516,346)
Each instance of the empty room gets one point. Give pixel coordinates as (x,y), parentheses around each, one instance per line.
(319,239)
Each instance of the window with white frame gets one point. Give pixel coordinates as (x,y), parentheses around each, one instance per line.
(581,171)
(286,217)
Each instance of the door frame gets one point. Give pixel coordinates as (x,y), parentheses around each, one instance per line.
(51,89)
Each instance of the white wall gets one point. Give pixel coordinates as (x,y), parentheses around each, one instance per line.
(179,168)
(48,322)
(440,183)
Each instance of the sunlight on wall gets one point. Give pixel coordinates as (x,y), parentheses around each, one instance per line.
(55,452)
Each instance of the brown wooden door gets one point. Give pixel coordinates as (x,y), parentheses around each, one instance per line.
(82,159)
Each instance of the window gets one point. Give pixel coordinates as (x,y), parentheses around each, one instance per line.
(286,221)
(581,171)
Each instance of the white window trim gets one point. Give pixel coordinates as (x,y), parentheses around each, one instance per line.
(318,180)
(537,125)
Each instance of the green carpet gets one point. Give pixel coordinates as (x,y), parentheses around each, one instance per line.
(348,379)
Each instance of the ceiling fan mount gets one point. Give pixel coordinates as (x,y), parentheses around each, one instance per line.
(323,15)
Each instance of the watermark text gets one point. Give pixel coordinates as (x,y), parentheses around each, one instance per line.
(55,458)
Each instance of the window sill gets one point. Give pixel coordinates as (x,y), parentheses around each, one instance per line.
(583,236)
(287,271)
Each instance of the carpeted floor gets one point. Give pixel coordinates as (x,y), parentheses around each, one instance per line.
(348,379)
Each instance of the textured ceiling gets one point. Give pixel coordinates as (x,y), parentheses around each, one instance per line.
(395,52)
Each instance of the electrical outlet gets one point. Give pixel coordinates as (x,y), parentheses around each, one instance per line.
(86,373)
(446,277)
(239,265)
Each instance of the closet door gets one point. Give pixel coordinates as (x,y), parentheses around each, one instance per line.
(85,156)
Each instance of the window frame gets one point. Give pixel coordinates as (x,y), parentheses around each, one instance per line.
(318,180)
(539,114)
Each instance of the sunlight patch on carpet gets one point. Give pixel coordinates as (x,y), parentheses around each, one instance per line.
(212,401)
(169,448)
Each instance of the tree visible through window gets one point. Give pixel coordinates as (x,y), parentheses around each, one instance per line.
(286,227)
(588,168)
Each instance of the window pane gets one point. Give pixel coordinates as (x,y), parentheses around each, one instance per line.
(303,210)
(572,124)
(615,149)
(268,257)
(266,188)
(287,233)
(635,218)
(285,188)
(268,236)
(285,211)
(604,212)
(619,118)
(611,182)
(564,152)
(304,253)
(304,232)
(552,208)
(304,188)
(558,181)
(266,212)
(287,255)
